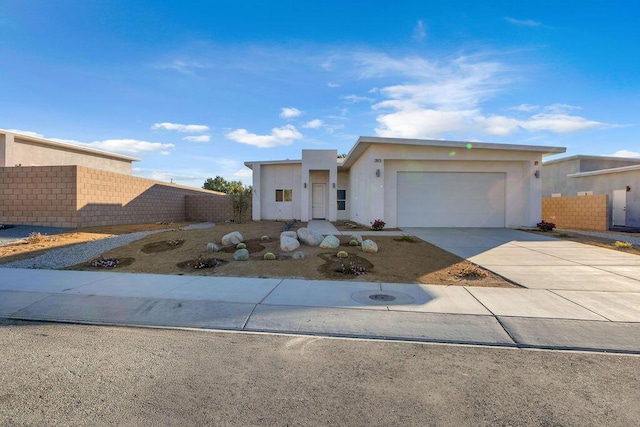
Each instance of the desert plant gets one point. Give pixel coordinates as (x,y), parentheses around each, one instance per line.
(472,272)
(264,238)
(269,256)
(352,268)
(342,254)
(545,226)
(105,262)
(378,224)
(407,238)
(241,246)
(353,242)
(564,235)
(623,245)
(35,237)
(287,225)
(203,262)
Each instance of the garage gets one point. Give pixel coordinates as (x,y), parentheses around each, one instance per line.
(451,199)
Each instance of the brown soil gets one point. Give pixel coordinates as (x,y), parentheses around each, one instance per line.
(397,261)
(592,240)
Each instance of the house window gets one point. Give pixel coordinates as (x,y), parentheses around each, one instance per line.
(284,195)
(342,200)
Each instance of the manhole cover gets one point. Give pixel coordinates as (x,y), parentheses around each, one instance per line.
(382,297)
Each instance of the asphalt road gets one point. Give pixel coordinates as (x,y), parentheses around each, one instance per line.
(62,374)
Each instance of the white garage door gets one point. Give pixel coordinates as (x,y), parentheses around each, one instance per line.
(451,199)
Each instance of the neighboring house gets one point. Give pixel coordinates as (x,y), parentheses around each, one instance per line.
(406,183)
(616,177)
(24,150)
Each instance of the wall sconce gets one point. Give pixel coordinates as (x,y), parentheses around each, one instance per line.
(333,185)
(305,185)
(378,172)
(537,174)
(628,188)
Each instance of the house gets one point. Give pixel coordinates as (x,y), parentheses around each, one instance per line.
(616,177)
(24,150)
(406,183)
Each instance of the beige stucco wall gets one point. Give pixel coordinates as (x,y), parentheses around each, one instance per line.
(16,150)
(283,177)
(375,197)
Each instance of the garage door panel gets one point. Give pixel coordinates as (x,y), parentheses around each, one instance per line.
(447,199)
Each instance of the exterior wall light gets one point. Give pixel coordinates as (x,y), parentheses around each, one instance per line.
(333,185)
(537,174)
(378,172)
(305,185)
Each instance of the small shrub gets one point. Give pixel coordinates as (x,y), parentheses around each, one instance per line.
(269,256)
(472,272)
(241,246)
(177,242)
(35,237)
(288,225)
(105,262)
(378,224)
(623,245)
(203,262)
(545,226)
(407,238)
(564,235)
(352,268)
(353,242)
(342,254)
(264,238)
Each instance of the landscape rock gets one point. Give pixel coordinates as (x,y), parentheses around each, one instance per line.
(309,237)
(330,242)
(291,234)
(289,244)
(212,247)
(241,255)
(357,237)
(369,246)
(232,238)
(298,255)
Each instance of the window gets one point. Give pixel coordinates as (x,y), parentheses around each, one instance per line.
(284,195)
(342,200)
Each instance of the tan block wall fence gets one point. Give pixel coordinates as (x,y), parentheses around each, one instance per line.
(76,196)
(578,212)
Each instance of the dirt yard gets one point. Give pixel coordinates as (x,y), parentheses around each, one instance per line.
(179,252)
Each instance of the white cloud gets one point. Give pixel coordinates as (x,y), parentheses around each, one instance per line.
(561,108)
(626,153)
(420,31)
(26,132)
(180,127)
(527,108)
(243,173)
(421,123)
(181,66)
(198,138)
(128,146)
(523,22)
(284,135)
(313,124)
(331,84)
(357,98)
(289,113)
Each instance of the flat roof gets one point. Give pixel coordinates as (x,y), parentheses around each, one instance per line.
(605,171)
(584,157)
(68,146)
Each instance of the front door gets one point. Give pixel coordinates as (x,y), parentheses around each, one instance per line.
(317,202)
(619,216)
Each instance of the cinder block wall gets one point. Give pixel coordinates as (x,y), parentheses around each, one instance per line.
(578,212)
(76,196)
(43,195)
(213,208)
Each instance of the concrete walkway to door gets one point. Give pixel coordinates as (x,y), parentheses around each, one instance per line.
(540,262)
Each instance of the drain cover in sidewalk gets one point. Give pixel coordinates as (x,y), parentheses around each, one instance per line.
(381,298)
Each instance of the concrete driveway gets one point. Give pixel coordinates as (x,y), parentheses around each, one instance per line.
(539,262)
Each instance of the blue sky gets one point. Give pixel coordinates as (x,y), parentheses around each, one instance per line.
(194,89)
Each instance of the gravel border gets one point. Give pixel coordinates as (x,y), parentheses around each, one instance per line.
(66,257)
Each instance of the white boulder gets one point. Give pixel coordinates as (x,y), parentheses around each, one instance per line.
(357,237)
(330,242)
(289,244)
(291,234)
(232,238)
(309,237)
(369,246)
(241,255)
(212,247)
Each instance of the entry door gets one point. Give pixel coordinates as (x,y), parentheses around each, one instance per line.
(619,207)
(317,202)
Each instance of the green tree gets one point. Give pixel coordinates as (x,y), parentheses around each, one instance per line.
(217,184)
(240,197)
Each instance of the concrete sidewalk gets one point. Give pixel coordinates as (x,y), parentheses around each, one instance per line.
(530,318)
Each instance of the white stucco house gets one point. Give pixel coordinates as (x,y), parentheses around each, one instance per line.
(406,183)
